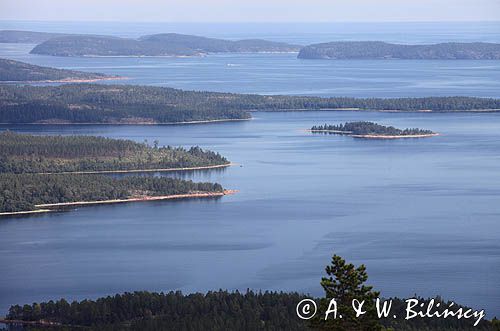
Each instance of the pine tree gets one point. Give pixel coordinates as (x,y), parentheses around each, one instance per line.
(345,283)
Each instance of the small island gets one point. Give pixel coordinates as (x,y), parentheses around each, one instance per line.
(371,130)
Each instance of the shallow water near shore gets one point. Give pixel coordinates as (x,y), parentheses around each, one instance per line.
(422,214)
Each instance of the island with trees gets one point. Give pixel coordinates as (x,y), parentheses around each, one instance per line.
(347,50)
(45,173)
(131,104)
(34,193)
(165,44)
(371,130)
(224,310)
(21,72)
(21,153)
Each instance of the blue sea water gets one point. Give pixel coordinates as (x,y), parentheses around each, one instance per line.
(422,214)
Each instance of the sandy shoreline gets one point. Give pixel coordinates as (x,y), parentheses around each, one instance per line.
(492,110)
(138,170)
(65,80)
(375,136)
(50,207)
(134,123)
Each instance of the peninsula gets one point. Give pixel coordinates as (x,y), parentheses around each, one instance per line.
(20,72)
(131,104)
(34,193)
(87,154)
(372,130)
(347,50)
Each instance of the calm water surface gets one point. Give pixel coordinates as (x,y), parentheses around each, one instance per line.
(422,214)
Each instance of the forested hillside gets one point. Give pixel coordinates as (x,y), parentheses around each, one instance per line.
(15,71)
(129,104)
(21,153)
(380,50)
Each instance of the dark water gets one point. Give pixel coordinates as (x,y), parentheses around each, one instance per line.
(422,214)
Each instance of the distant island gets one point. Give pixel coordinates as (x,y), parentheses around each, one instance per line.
(15,71)
(346,50)
(131,104)
(372,130)
(45,173)
(167,44)
(27,37)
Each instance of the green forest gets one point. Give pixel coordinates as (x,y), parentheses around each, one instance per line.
(129,104)
(21,153)
(24,159)
(223,310)
(21,192)
(368,128)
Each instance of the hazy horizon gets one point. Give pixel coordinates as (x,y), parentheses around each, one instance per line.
(257,11)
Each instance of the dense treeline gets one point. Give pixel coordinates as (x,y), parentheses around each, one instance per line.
(15,71)
(220,310)
(87,103)
(173,311)
(20,153)
(382,50)
(164,44)
(90,103)
(368,128)
(21,192)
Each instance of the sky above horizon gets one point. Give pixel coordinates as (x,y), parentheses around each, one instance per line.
(251,10)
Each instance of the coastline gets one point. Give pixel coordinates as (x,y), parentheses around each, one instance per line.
(492,110)
(64,80)
(225,165)
(376,136)
(51,207)
(134,123)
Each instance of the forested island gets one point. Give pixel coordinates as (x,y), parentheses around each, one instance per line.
(35,192)
(16,71)
(129,104)
(165,44)
(20,153)
(346,50)
(43,173)
(362,129)
(223,310)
